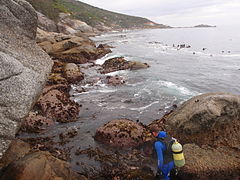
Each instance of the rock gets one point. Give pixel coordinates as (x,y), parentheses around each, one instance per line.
(119,63)
(45,23)
(56,105)
(72,26)
(210,123)
(120,133)
(70,48)
(24,66)
(138,65)
(115,80)
(16,150)
(72,73)
(35,123)
(46,46)
(210,119)
(56,78)
(209,163)
(39,166)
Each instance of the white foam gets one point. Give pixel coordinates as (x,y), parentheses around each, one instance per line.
(182,90)
(144,107)
(106,57)
(117,73)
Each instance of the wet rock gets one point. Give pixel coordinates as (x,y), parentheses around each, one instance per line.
(65,136)
(56,78)
(120,133)
(101,46)
(119,63)
(16,150)
(56,105)
(72,73)
(115,80)
(58,66)
(139,174)
(211,119)
(209,163)
(39,166)
(102,50)
(35,123)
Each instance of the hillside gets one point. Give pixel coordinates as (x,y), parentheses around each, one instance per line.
(93,16)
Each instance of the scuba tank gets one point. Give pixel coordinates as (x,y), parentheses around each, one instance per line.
(178,156)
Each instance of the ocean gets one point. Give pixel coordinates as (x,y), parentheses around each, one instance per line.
(210,64)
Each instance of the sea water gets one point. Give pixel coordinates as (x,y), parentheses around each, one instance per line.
(210,64)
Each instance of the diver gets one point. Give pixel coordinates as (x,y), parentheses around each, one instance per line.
(169,155)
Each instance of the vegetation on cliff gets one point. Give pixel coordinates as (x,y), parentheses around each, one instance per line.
(91,15)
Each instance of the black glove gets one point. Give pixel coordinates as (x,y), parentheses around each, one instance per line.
(173,172)
(159,175)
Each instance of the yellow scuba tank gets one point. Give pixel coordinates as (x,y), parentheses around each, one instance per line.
(178,156)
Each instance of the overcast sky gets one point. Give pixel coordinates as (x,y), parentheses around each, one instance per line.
(177,12)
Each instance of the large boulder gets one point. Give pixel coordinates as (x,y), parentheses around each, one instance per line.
(209,163)
(55,104)
(212,119)
(39,166)
(119,63)
(121,133)
(16,150)
(24,66)
(210,123)
(72,73)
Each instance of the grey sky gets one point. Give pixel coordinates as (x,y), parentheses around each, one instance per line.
(177,12)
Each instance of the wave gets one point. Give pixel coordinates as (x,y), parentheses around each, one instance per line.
(182,90)
(144,107)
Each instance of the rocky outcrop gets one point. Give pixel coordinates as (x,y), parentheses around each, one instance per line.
(24,66)
(214,117)
(35,122)
(69,48)
(119,63)
(212,123)
(55,104)
(39,166)
(46,24)
(120,133)
(209,163)
(68,25)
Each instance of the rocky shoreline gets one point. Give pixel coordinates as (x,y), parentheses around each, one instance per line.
(207,125)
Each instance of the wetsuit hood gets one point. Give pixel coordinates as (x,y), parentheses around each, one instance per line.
(162,134)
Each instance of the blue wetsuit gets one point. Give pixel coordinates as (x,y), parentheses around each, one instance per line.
(165,168)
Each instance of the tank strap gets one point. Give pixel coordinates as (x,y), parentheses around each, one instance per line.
(178,152)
